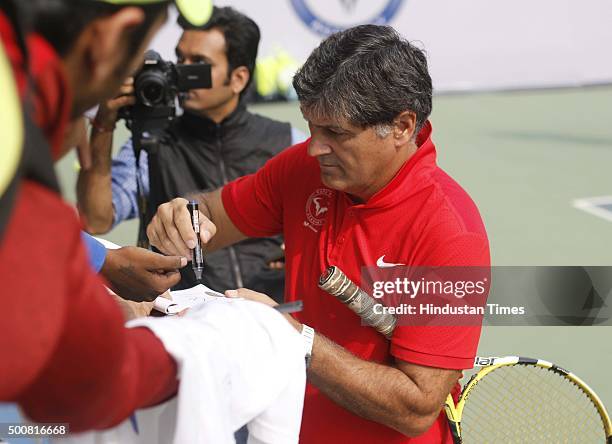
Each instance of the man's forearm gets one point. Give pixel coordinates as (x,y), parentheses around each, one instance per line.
(94,190)
(377,392)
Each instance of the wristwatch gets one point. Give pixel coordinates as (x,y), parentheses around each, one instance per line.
(308,335)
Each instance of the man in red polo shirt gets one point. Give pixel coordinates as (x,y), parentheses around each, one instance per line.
(365,190)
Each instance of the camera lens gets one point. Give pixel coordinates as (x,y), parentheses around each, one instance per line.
(151,88)
(152,92)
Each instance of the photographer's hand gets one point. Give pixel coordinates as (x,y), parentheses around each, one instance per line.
(109,110)
(94,190)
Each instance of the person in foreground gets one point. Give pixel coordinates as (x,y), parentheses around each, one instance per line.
(364,190)
(70,358)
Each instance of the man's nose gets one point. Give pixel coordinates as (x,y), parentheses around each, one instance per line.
(318,147)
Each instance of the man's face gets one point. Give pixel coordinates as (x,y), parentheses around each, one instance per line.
(352,159)
(206,47)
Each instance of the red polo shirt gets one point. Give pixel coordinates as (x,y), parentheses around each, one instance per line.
(421,218)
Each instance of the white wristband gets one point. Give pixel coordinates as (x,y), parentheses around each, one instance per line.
(308,335)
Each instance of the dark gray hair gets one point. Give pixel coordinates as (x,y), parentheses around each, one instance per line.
(367,75)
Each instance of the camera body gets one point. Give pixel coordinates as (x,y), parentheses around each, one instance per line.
(157,86)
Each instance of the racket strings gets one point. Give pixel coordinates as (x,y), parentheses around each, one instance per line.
(531,413)
(529,404)
(522,426)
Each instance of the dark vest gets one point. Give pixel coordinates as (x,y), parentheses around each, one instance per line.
(196,154)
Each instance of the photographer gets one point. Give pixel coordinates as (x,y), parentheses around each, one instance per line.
(215,141)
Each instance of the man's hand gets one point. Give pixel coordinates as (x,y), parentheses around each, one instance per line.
(141,275)
(94,186)
(133,310)
(251,295)
(108,111)
(279,263)
(171,231)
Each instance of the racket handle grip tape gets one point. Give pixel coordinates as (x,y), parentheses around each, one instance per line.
(336,283)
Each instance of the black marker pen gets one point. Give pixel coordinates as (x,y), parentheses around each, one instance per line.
(198,257)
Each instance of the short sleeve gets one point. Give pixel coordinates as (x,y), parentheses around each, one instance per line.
(254,203)
(445,346)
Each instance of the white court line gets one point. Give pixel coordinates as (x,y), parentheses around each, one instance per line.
(592,205)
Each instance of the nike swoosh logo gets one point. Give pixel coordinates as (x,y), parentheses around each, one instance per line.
(382,264)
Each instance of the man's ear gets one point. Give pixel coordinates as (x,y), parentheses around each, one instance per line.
(106,41)
(404,127)
(239,79)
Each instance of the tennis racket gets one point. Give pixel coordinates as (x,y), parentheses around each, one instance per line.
(522,400)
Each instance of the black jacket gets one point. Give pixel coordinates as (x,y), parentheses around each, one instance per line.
(196,154)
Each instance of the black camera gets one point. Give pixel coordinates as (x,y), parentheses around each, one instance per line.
(156,87)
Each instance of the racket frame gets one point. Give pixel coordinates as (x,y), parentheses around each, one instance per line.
(454,412)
